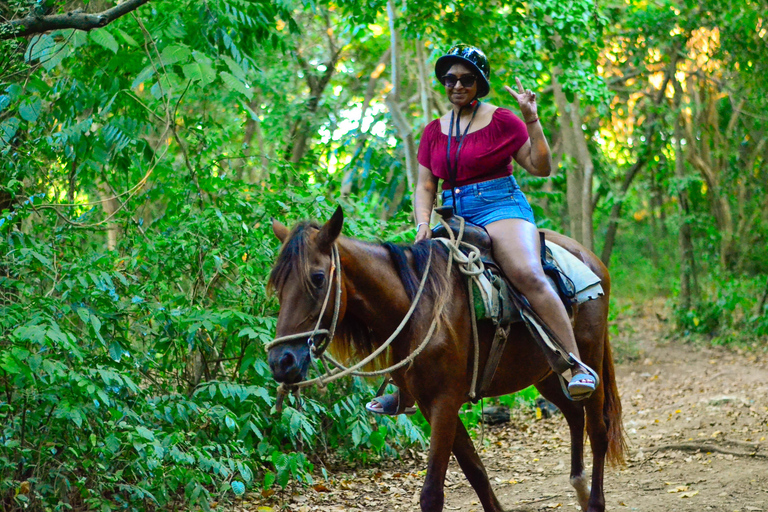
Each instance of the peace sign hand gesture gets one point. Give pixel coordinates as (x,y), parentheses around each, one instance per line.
(527,101)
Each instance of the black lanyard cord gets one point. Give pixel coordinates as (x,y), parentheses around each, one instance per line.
(454,169)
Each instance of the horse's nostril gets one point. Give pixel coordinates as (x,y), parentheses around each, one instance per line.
(287,361)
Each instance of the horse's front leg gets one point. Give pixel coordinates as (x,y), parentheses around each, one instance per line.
(443,416)
(474,470)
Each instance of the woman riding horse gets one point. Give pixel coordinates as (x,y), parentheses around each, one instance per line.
(471,149)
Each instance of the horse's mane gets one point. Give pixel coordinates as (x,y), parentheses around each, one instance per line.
(354,338)
(293,256)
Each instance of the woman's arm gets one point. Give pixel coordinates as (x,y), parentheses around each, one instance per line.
(424,200)
(535,156)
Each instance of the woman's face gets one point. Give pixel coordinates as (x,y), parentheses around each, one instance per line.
(460,95)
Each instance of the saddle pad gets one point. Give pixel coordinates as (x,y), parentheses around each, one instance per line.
(585,282)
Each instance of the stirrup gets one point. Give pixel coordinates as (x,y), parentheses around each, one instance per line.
(587,370)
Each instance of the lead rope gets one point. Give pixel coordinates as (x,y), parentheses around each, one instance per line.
(471,265)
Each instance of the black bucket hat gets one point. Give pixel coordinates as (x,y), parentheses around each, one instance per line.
(472,57)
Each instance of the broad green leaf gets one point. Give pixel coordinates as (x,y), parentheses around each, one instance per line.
(202,58)
(84,314)
(29,110)
(95,322)
(39,47)
(42,259)
(175,54)
(245,472)
(115,351)
(247,332)
(127,38)
(145,433)
(8,130)
(55,56)
(238,487)
(144,75)
(282,478)
(112,443)
(14,91)
(235,68)
(269,479)
(280,460)
(378,438)
(10,365)
(195,71)
(236,85)
(103,37)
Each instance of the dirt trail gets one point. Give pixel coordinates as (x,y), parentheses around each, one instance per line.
(696,421)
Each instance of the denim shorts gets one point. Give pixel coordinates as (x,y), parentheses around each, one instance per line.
(489,201)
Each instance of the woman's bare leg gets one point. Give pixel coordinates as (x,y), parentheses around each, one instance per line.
(517,249)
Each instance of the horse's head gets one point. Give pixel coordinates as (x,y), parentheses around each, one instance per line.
(301,277)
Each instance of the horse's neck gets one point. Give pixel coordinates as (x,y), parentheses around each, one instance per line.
(375,294)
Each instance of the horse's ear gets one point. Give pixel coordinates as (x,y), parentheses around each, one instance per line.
(330,231)
(281,232)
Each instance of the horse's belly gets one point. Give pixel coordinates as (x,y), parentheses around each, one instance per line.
(522,364)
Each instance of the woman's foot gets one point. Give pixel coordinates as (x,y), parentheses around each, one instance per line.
(387,405)
(583,383)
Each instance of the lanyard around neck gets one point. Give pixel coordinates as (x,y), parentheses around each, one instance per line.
(454,169)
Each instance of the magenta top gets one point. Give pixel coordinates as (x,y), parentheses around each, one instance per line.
(485,154)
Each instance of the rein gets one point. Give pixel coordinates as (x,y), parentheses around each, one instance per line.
(470,265)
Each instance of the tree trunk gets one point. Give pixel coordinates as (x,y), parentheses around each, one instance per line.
(574,174)
(404,129)
(424,84)
(688,281)
(300,134)
(110,205)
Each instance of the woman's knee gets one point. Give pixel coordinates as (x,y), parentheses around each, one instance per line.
(528,278)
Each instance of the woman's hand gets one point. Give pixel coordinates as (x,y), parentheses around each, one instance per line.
(527,101)
(424,233)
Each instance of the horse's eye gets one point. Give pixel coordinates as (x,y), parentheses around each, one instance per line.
(318,279)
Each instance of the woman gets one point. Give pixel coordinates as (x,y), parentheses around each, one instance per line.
(475,166)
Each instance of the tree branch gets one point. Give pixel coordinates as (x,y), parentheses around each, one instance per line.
(77,20)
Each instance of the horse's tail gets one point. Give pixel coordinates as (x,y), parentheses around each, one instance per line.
(617,442)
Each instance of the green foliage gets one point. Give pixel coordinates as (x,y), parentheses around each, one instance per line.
(729,310)
(138,376)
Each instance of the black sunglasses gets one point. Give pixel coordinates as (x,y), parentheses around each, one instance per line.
(451,80)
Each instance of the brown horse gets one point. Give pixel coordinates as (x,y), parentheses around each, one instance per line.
(378,283)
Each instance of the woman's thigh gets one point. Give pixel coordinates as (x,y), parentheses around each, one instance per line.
(516,247)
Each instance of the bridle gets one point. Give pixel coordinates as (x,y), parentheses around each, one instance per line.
(318,350)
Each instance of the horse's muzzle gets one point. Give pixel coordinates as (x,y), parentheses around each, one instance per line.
(289,363)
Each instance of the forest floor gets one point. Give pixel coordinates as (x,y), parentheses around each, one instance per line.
(696,419)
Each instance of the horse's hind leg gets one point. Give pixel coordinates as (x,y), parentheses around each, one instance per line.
(474,470)
(574,415)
